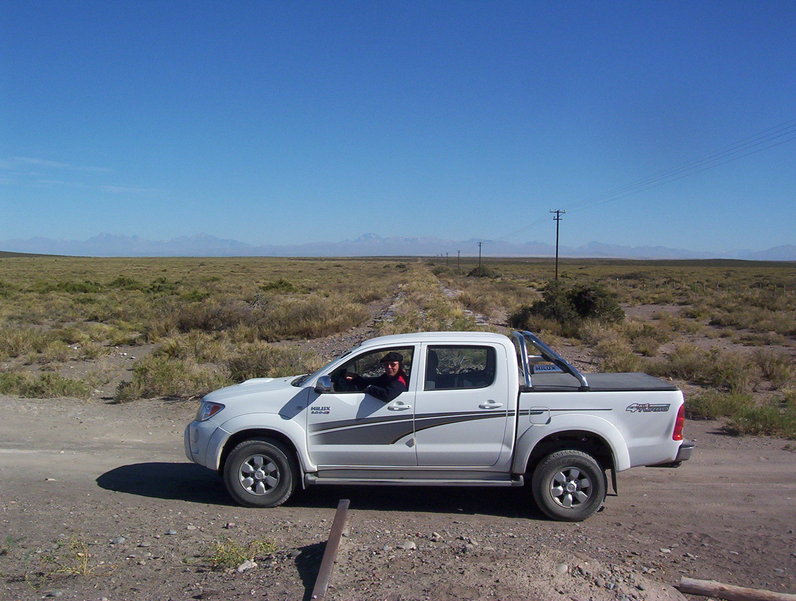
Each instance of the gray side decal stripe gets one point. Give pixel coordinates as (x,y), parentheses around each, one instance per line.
(389,432)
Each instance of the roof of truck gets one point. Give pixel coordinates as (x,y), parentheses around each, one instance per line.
(437,337)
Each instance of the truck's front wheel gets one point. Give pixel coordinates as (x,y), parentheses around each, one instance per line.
(260,473)
(569,485)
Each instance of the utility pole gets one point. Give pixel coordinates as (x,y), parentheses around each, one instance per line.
(458,257)
(480,244)
(557,219)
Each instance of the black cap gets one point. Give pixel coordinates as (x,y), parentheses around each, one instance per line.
(392,356)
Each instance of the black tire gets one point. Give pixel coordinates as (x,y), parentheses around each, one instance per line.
(569,485)
(260,473)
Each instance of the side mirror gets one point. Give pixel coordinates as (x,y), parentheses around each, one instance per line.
(324,385)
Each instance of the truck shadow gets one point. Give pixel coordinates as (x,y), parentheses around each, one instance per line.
(161,480)
(195,484)
(499,502)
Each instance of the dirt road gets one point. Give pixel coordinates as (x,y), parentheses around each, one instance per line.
(97,501)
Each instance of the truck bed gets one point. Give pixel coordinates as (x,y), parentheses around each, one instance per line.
(614,382)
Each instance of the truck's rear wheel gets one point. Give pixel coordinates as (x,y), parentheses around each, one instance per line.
(260,473)
(568,485)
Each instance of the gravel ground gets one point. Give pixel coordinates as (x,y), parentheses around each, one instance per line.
(98,501)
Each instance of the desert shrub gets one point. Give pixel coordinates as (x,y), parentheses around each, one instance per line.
(483,272)
(685,362)
(646,338)
(56,351)
(311,318)
(728,371)
(553,305)
(713,404)
(198,346)
(679,324)
(215,316)
(91,350)
(775,367)
(742,415)
(281,285)
(19,341)
(196,296)
(125,283)
(46,385)
(162,285)
(369,294)
(70,287)
(611,348)
(160,376)
(6,289)
(480,303)
(766,420)
(594,302)
(71,335)
(524,318)
(262,359)
(569,307)
(759,339)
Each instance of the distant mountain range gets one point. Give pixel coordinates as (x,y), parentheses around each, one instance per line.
(205,245)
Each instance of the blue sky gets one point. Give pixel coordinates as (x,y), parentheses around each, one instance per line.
(289,122)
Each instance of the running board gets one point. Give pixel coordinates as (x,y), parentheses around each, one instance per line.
(310,479)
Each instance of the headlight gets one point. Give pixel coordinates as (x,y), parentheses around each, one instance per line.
(207,410)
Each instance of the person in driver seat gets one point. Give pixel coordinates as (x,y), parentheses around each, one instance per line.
(388,385)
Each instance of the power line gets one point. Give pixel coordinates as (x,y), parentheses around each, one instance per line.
(769,138)
(763,140)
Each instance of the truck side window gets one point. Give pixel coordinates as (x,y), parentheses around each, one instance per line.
(368,365)
(459,367)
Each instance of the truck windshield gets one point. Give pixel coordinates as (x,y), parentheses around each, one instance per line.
(301,379)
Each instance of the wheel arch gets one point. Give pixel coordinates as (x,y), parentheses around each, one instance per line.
(577,440)
(259,433)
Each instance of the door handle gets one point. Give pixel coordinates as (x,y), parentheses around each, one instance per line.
(490,405)
(398,406)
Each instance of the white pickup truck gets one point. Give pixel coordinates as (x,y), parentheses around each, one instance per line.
(479,409)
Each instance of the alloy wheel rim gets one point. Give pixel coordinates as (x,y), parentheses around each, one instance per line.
(258,475)
(570,487)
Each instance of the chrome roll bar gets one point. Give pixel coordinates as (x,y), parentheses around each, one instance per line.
(549,355)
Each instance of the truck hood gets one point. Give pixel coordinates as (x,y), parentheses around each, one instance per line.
(268,395)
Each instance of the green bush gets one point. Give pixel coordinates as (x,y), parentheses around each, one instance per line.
(264,360)
(281,285)
(775,367)
(124,283)
(20,341)
(569,307)
(742,415)
(713,404)
(483,272)
(46,385)
(767,420)
(160,376)
(311,318)
(728,371)
(593,302)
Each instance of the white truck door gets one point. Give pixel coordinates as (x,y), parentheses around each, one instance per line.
(462,407)
(349,428)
